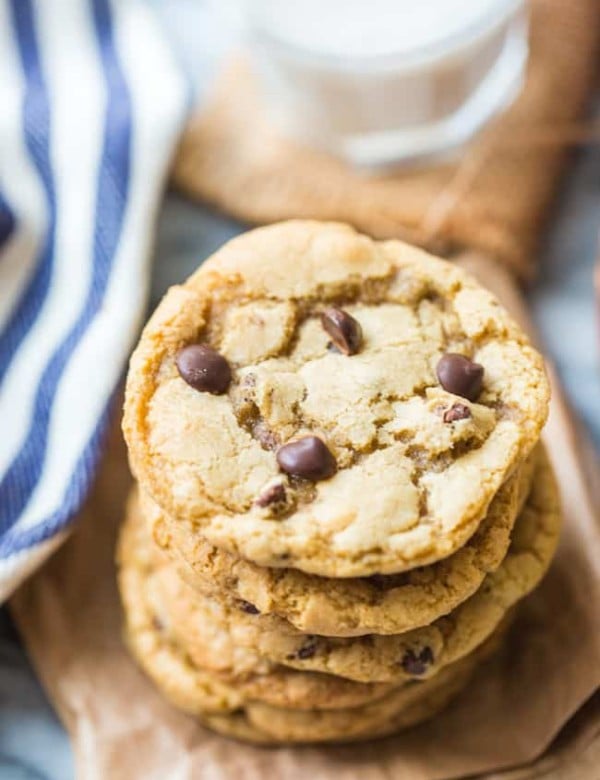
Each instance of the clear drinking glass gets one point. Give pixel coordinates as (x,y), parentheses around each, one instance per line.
(385,81)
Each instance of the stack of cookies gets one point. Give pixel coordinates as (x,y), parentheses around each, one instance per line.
(342,496)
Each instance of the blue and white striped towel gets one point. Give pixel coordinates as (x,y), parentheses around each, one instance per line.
(90,105)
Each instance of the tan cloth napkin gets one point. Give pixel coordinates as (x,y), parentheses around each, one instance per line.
(69,617)
(493,198)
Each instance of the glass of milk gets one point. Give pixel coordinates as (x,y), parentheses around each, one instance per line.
(381,82)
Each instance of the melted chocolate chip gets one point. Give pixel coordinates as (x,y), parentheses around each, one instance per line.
(460,376)
(307,650)
(272,494)
(248,608)
(308,458)
(417,663)
(345,331)
(204,369)
(456,412)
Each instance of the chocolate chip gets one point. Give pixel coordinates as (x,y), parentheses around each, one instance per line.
(308,457)
(459,375)
(344,330)
(204,369)
(417,663)
(456,412)
(272,494)
(307,650)
(248,608)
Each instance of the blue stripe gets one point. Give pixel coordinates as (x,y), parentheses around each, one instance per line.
(7,221)
(37,129)
(113,185)
(15,540)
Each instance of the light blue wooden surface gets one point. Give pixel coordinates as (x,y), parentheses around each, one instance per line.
(32,742)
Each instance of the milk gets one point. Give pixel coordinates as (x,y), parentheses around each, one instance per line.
(371,28)
(385,81)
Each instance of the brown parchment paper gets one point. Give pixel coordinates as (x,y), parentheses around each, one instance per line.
(69,617)
(494,197)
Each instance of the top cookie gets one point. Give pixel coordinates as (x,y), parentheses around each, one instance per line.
(315,399)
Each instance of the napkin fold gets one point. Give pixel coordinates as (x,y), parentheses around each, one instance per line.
(92,103)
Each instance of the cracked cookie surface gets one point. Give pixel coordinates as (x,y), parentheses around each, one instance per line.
(222,631)
(347,607)
(416,464)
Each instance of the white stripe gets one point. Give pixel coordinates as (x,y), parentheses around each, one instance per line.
(18,180)
(77,101)
(98,361)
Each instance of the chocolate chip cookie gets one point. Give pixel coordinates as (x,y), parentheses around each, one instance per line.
(270,706)
(347,607)
(235,671)
(314,399)
(217,632)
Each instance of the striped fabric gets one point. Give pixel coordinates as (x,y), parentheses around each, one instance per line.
(90,106)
